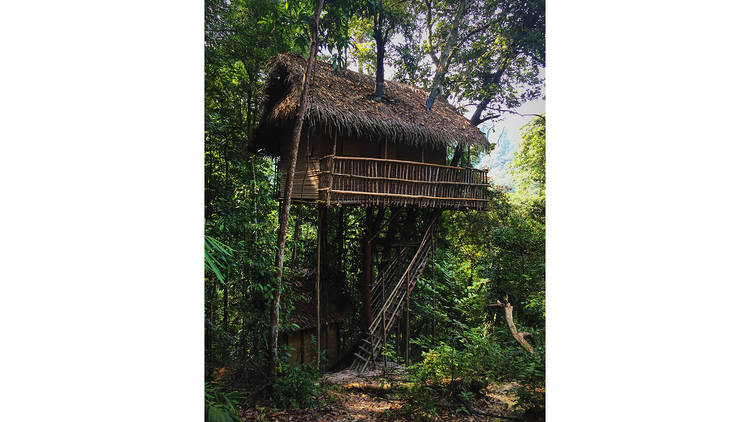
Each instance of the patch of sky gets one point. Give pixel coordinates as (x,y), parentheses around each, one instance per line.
(498,161)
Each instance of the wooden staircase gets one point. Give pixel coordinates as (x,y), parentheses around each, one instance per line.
(389,294)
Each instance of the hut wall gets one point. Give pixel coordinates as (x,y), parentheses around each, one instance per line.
(302,350)
(311,148)
(352,148)
(371,149)
(293,341)
(404,152)
(331,344)
(435,155)
(308,349)
(375,149)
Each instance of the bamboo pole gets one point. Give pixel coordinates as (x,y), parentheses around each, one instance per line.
(406,195)
(408,294)
(321,210)
(385,338)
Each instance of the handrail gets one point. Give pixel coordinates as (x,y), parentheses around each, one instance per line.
(398,195)
(386,304)
(358,180)
(390,160)
(386,276)
(420,262)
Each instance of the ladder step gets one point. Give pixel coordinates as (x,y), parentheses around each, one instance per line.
(389,296)
(360,356)
(364,349)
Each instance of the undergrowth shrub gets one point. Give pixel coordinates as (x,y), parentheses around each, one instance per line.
(528,371)
(458,373)
(296,387)
(221,405)
(453,373)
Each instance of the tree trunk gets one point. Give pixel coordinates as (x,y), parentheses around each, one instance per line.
(379,68)
(251,75)
(446,54)
(476,118)
(284,215)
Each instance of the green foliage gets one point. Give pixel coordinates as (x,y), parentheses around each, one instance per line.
(479,256)
(217,257)
(496,60)
(448,372)
(296,387)
(222,406)
(528,166)
(481,356)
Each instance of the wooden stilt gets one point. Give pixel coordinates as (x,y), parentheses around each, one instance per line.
(367,270)
(340,257)
(408,293)
(295,238)
(385,333)
(321,210)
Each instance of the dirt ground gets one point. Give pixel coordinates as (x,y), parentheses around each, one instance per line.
(365,397)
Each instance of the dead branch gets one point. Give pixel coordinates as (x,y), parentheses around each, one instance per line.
(512,326)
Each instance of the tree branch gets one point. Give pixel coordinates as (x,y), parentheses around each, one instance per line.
(430,47)
(512,326)
(470,34)
(495,116)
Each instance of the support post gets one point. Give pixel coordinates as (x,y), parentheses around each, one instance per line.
(408,294)
(321,212)
(340,256)
(295,238)
(385,338)
(367,270)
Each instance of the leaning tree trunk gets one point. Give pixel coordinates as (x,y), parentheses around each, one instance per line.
(284,215)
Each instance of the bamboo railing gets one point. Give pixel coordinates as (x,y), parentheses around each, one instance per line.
(385,182)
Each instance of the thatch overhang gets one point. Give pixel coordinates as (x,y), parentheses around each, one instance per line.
(342,102)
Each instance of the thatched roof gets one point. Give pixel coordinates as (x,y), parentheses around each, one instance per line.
(342,101)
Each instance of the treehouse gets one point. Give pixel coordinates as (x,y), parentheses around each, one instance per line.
(358,151)
(389,155)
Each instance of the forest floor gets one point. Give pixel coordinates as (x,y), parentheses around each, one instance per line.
(367,397)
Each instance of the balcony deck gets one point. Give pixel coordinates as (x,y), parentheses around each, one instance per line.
(386,182)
